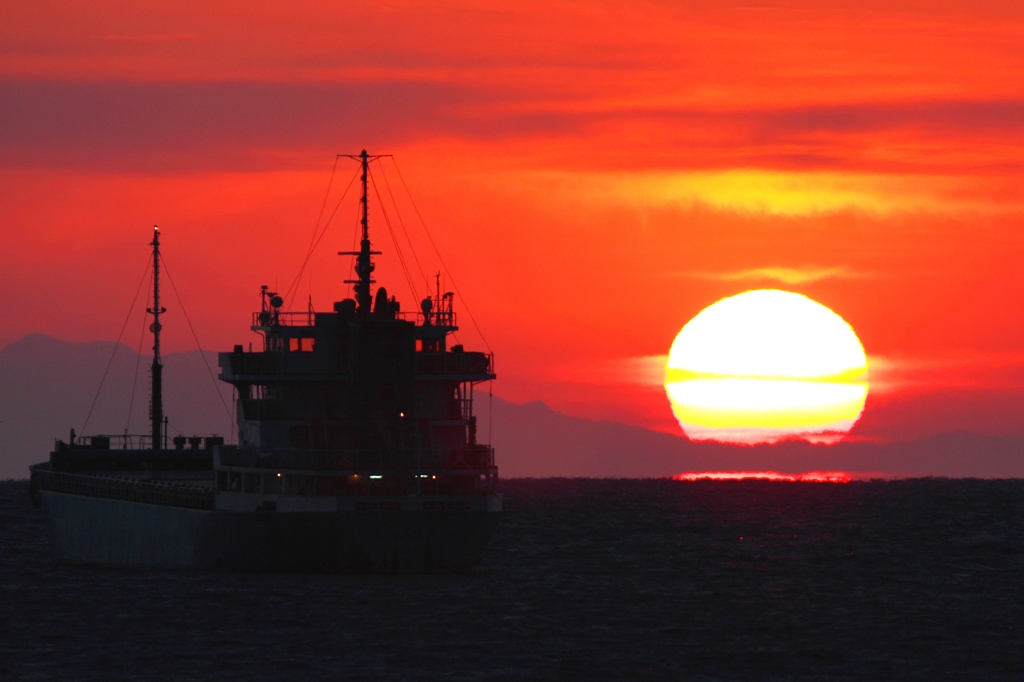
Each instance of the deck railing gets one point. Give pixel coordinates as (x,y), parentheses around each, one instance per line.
(118,441)
(128,489)
(471,363)
(468,457)
(137,442)
(268,318)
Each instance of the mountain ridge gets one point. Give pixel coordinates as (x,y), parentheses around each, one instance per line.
(47,386)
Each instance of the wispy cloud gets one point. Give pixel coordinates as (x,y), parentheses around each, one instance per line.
(955,370)
(801,193)
(786,193)
(639,371)
(644,371)
(801,275)
(886,374)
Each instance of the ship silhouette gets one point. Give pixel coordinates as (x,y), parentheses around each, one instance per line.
(357,450)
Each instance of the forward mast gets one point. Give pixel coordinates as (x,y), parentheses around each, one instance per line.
(156,405)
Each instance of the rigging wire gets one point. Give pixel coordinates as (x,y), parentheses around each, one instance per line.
(316,243)
(327,195)
(440,257)
(116,344)
(352,261)
(209,371)
(316,226)
(172,425)
(394,240)
(138,360)
(398,213)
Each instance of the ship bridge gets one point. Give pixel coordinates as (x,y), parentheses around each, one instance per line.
(366,389)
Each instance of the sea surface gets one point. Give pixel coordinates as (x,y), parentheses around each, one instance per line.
(585,579)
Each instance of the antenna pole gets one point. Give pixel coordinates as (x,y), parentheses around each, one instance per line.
(364,161)
(363,265)
(364,260)
(156,407)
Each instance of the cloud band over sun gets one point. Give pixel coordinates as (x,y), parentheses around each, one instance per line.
(804,275)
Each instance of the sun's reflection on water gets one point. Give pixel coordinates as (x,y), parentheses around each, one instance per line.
(806,477)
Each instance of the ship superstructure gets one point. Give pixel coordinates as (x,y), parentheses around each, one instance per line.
(357,450)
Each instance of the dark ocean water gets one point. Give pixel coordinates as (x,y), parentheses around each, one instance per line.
(586,579)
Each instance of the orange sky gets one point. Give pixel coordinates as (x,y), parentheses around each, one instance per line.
(594,173)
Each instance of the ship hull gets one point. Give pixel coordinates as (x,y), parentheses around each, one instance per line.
(125,533)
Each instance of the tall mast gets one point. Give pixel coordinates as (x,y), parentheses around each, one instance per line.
(156,407)
(364,266)
(364,260)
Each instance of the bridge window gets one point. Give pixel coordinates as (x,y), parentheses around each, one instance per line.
(260,392)
(301,344)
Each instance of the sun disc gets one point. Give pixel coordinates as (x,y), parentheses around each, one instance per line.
(766,365)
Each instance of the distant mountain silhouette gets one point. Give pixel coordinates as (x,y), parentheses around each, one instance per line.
(533,440)
(47,387)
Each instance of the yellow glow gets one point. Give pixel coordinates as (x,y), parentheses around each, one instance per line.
(766,365)
(774,192)
(783,275)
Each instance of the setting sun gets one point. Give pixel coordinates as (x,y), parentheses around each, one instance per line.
(764,366)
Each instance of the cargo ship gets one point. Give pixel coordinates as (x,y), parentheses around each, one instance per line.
(357,450)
